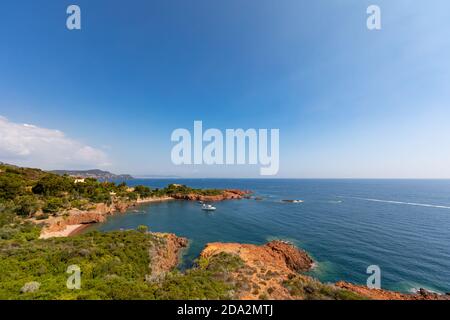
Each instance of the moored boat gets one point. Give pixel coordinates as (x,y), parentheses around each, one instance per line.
(208,207)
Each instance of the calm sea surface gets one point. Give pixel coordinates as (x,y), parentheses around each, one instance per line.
(403,226)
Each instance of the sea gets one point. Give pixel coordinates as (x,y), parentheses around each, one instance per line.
(401,226)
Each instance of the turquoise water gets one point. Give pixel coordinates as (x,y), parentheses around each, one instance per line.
(403,226)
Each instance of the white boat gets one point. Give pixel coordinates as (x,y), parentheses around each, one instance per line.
(208,207)
(293,201)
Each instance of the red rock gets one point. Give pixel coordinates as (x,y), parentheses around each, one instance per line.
(226,195)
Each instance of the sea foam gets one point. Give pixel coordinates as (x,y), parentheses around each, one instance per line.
(401,202)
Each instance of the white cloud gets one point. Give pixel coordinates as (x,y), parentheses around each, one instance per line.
(29,145)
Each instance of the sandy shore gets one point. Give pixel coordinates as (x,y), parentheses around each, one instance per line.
(79,229)
(149,200)
(69,230)
(74,229)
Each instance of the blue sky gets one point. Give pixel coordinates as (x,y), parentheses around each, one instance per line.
(349,102)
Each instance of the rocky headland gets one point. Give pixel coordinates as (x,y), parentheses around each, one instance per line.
(276,271)
(265,268)
(227,194)
(380,294)
(165,258)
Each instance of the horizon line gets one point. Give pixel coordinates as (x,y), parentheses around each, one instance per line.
(284,178)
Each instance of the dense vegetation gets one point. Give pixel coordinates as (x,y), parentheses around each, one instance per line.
(307,288)
(113,266)
(13,227)
(178,189)
(27,191)
(32,192)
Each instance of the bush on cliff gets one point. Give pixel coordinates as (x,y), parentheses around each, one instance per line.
(307,288)
(207,280)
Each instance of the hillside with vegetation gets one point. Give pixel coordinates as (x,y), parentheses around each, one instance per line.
(138,264)
(27,191)
(114,265)
(120,265)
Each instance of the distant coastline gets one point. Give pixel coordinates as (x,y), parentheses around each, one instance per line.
(94,174)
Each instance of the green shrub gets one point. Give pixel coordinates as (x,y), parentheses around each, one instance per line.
(143,191)
(308,288)
(142,229)
(114,265)
(53,185)
(52,205)
(26,205)
(11,186)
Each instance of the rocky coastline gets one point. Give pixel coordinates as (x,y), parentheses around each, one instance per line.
(75,220)
(265,267)
(276,270)
(227,194)
(164,259)
(380,294)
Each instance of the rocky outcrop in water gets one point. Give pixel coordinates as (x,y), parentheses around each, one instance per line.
(380,294)
(278,255)
(295,259)
(228,194)
(266,267)
(275,271)
(165,257)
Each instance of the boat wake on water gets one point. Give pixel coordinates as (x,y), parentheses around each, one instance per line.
(400,202)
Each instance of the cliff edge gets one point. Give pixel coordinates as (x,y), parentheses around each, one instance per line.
(276,271)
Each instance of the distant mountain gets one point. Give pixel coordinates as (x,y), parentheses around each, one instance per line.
(94,173)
